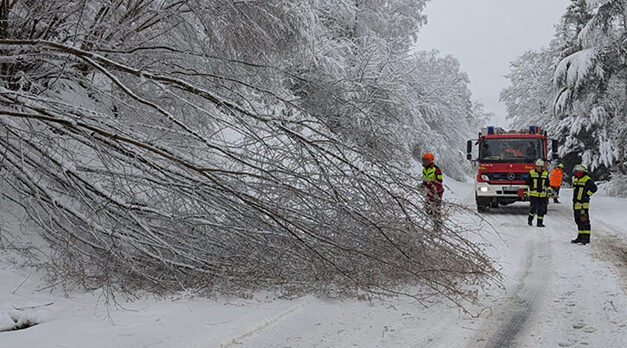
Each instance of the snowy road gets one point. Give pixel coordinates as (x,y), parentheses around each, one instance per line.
(556,295)
(564,295)
(559,294)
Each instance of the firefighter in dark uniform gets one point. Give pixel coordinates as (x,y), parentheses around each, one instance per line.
(538,183)
(432,183)
(583,188)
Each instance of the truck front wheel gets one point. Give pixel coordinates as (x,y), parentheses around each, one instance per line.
(483,203)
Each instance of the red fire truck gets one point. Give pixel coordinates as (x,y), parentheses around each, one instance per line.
(505,159)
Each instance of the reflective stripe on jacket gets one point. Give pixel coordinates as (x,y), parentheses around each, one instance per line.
(556,177)
(538,183)
(583,188)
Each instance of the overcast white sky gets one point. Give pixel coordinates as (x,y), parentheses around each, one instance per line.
(485,35)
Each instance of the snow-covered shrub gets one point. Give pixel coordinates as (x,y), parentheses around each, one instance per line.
(617,186)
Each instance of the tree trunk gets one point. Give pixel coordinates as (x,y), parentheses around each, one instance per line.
(623,134)
(4,19)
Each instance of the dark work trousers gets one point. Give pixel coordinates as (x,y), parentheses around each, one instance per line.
(582,219)
(538,207)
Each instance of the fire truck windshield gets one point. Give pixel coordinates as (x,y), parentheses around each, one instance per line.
(510,150)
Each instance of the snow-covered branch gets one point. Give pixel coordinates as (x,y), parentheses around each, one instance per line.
(167,169)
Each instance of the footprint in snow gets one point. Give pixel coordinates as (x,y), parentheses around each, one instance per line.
(589,329)
(578,326)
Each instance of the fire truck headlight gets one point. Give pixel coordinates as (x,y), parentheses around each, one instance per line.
(485,177)
(484,189)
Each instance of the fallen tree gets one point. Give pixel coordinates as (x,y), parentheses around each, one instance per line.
(148,173)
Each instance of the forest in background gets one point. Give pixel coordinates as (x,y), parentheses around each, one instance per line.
(576,87)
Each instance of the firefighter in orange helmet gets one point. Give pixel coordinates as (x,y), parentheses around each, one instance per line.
(555,181)
(432,183)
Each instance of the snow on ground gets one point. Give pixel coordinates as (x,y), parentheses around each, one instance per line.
(556,295)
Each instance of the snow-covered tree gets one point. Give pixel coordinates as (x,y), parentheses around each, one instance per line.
(352,75)
(370,87)
(529,98)
(592,81)
(443,115)
(224,145)
(585,63)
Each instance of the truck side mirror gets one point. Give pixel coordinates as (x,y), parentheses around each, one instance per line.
(555,149)
(469,150)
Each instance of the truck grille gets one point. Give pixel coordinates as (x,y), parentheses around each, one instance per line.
(507,176)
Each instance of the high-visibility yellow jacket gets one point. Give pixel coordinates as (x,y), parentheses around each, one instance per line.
(538,183)
(432,180)
(583,188)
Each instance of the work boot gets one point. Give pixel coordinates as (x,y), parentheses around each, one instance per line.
(540,221)
(578,239)
(556,201)
(585,239)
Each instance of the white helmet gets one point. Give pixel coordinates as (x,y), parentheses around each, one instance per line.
(580,168)
(539,163)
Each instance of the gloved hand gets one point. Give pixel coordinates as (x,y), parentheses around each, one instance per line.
(584,216)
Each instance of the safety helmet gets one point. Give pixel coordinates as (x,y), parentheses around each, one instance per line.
(539,163)
(561,165)
(429,156)
(580,168)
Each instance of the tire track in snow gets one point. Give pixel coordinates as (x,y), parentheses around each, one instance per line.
(612,250)
(527,297)
(261,326)
(514,314)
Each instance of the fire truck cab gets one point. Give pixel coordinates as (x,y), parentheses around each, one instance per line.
(504,161)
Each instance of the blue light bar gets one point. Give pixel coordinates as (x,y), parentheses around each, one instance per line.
(491,130)
(532,129)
